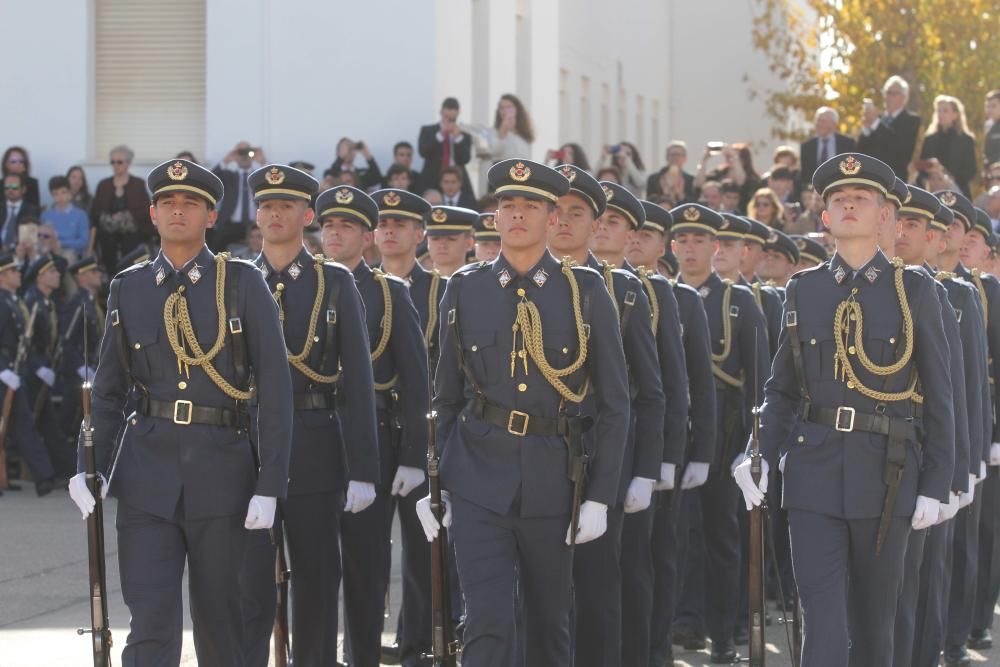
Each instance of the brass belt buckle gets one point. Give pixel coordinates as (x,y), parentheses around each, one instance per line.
(182,412)
(524,424)
(849,412)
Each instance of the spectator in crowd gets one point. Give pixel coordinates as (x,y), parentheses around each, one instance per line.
(433,196)
(48,244)
(811,218)
(329,180)
(781,180)
(252,244)
(399,177)
(671,186)
(677,154)
(824,144)
(402,158)
(737,165)
(625,157)
(793,219)
(890,136)
(16,210)
(990,202)
(120,212)
(936,178)
(609,174)
(992,175)
(187,155)
(487,204)
(949,142)
(78,187)
(302,165)
(991,136)
(512,133)
(452,193)
(349,177)
(237,209)
(568,154)
(766,207)
(786,156)
(71,224)
(16,161)
(444,144)
(312,242)
(729,196)
(711,195)
(368,174)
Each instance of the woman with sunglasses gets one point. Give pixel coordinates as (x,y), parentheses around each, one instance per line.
(15,161)
(766,207)
(119,216)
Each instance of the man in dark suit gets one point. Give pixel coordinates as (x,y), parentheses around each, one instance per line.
(453,191)
(892,136)
(824,145)
(442,145)
(15,209)
(677,154)
(237,210)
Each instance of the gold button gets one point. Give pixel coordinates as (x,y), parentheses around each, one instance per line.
(521,353)
(565,350)
(802,438)
(852,349)
(475,348)
(892,340)
(520,291)
(522,387)
(854,318)
(850,384)
(812,341)
(134,421)
(182,385)
(137,346)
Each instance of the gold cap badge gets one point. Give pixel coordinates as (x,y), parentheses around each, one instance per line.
(391,199)
(489,222)
(568,172)
(948,198)
(691,214)
(800,243)
(850,166)
(439,215)
(520,172)
(608,192)
(275,176)
(178,171)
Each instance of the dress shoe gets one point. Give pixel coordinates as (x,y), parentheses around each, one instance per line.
(723,653)
(956,656)
(686,636)
(981,640)
(390,654)
(44,487)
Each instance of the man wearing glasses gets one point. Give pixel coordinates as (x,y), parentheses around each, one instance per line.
(15,209)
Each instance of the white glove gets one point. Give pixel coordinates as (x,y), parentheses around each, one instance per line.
(668,476)
(260,512)
(753,494)
(926,513)
(949,509)
(407,478)
(82,496)
(86,374)
(10,378)
(982,469)
(737,460)
(46,375)
(359,496)
(695,474)
(639,494)
(593,522)
(428,521)
(995,454)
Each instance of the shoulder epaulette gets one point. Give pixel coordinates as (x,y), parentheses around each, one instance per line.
(132,269)
(811,269)
(473,266)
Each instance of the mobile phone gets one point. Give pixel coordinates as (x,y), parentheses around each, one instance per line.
(359,145)
(715,146)
(559,155)
(614,149)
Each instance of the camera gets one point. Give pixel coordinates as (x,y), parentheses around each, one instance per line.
(559,156)
(715,146)
(248,152)
(615,149)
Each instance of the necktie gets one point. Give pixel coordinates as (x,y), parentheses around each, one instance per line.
(446,151)
(822,150)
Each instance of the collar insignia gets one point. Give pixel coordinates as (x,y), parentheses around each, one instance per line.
(504,278)
(540,277)
(294,270)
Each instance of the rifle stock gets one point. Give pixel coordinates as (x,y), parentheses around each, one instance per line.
(757,610)
(444,645)
(8,399)
(282,575)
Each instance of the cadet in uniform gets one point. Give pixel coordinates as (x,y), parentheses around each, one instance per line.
(740,362)
(487,237)
(591,214)
(509,395)
(400,229)
(811,252)
(188,481)
(449,237)
(399,358)
(858,334)
(21,435)
(80,308)
(781,257)
(327,346)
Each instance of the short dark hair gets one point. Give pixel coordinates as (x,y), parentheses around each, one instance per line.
(782,173)
(401,144)
(728,186)
(20,176)
(57,182)
(450,103)
(395,169)
(452,170)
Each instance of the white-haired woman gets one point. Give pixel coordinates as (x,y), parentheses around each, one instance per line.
(949,141)
(119,216)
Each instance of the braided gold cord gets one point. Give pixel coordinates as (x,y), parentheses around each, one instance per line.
(530,322)
(176,317)
(977,278)
(727,325)
(298,361)
(432,307)
(945,275)
(841,332)
(756,295)
(383,386)
(609,280)
(386,314)
(654,304)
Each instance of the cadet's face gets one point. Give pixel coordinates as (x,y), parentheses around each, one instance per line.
(954,237)
(646,247)
(398,237)
(343,239)
(613,233)
(182,217)
(974,253)
(855,212)
(10,279)
(727,257)
(694,251)
(776,266)
(449,250)
(49,278)
(574,228)
(487,251)
(282,220)
(524,222)
(752,258)
(912,240)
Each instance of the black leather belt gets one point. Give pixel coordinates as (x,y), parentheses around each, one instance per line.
(847,419)
(384,399)
(521,423)
(185,413)
(315,400)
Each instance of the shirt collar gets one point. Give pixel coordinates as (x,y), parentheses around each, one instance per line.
(195,268)
(870,272)
(361,270)
(301,261)
(537,275)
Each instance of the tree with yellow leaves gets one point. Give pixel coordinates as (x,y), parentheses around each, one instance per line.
(839,52)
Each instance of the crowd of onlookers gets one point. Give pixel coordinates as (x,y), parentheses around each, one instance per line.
(112,219)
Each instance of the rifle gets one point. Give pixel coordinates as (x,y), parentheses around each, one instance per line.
(445,647)
(99,630)
(755,558)
(57,354)
(8,399)
(281,577)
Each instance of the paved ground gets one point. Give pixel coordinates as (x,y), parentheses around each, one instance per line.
(43,589)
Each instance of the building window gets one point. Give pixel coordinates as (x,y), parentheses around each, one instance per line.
(149,77)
